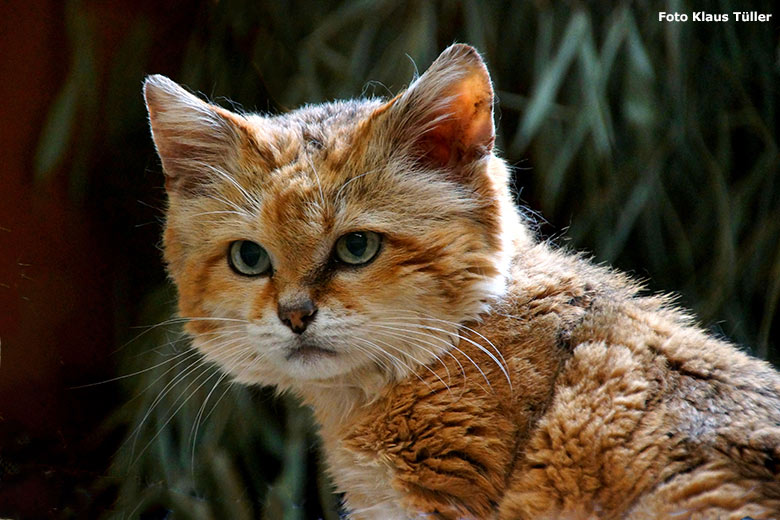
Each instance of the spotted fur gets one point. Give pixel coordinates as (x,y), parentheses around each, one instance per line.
(474,372)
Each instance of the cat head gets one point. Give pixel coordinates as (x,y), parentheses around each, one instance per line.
(339,240)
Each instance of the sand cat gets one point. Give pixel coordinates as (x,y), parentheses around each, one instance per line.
(367,256)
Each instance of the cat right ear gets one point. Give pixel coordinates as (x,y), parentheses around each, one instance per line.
(192,137)
(445,118)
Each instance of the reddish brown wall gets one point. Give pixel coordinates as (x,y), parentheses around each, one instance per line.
(65,261)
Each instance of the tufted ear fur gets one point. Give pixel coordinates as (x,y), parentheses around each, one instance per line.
(445,118)
(194,139)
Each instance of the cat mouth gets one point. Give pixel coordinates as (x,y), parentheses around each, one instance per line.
(308,352)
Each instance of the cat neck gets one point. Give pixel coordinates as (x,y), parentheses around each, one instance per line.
(336,402)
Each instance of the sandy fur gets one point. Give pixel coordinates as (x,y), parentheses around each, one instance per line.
(480,374)
(619,409)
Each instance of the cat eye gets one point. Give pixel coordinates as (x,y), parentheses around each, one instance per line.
(357,248)
(248,258)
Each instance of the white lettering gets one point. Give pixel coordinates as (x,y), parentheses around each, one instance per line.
(751,16)
(702,16)
(672,17)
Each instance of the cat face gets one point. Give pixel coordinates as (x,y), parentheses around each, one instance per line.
(339,239)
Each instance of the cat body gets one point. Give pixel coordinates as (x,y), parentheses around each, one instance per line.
(618,408)
(367,256)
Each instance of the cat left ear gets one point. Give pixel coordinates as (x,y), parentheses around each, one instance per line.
(446,116)
(192,137)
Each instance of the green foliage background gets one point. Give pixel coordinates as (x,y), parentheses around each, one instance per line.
(652,145)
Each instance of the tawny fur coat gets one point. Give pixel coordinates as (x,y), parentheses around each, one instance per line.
(465,370)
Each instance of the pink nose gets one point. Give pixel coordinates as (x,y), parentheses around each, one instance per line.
(297,315)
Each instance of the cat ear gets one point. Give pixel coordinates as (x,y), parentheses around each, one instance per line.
(445,118)
(192,137)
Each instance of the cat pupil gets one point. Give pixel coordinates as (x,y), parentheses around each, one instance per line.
(357,244)
(250,253)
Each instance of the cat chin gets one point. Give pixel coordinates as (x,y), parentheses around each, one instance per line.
(286,375)
(314,368)
(311,364)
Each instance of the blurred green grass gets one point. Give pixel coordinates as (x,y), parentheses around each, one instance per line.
(652,145)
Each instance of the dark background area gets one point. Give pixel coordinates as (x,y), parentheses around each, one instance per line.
(652,146)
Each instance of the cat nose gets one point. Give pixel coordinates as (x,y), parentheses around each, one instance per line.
(297,315)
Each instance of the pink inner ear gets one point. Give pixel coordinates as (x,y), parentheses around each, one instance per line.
(466,131)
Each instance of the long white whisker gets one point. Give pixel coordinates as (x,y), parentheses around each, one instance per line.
(449,344)
(219,400)
(469,329)
(174,321)
(125,376)
(428,317)
(374,345)
(317,177)
(192,353)
(184,402)
(159,398)
(221,212)
(469,340)
(185,337)
(235,348)
(234,344)
(207,318)
(382,363)
(252,201)
(241,211)
(372,352)
(353,179)
(199,416)
(415,342)
(420,363)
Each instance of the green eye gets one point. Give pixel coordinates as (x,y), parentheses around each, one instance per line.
(358,248)
(248,258)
